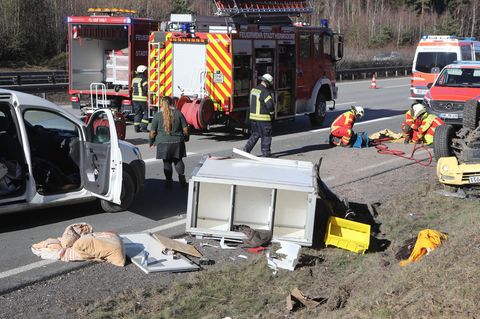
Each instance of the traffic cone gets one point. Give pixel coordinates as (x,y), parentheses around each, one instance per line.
(373,85)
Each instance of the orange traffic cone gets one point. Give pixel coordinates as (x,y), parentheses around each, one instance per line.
(373,85)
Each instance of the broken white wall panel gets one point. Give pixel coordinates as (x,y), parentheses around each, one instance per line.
(272,194)
(136,244)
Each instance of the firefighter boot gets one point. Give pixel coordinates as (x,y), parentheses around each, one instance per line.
(182,180)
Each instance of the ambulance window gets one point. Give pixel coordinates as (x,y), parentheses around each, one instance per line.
(466,52)
(304,45)
(327,44)
(316,45)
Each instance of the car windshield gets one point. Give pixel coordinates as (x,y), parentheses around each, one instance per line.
(433,62)
(458,77)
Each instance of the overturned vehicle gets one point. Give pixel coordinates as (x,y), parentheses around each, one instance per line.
(458,152)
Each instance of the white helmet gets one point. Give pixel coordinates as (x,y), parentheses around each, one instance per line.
(267,78)
(141,69)
(358,110)
(418,109)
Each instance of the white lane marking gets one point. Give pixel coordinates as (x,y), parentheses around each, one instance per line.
(153,159)
(345,103)
(166,226)
(16,271)
(38,264)
(395,86)
(359,123)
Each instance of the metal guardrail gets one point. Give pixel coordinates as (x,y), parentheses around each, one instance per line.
(55,81)
(34,82)
(364,73)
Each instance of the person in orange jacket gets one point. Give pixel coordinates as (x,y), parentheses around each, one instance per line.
(341,130)
(424,125)
(411,122)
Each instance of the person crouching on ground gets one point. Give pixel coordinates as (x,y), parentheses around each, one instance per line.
(341,130)
(169,131)
(424,130)
(411,123)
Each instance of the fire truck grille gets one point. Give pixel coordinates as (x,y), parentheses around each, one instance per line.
(447,106)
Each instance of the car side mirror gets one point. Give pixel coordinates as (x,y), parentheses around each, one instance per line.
(429,85)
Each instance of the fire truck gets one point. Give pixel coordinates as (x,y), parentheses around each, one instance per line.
(433,53)
(209,64)
(104,50)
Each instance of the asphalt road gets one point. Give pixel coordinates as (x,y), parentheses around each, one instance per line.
(160,209)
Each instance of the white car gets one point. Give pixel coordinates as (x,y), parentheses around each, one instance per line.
(49,157)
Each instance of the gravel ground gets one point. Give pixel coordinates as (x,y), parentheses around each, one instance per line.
(59,297)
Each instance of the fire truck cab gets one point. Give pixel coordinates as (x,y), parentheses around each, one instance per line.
(433,53)
(104,50)
(210,64)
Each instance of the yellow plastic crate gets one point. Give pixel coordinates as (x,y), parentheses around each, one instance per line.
(347,234)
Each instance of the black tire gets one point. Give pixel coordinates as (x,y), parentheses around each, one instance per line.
(317,118)
(471,114)
(442,141)
(127,196)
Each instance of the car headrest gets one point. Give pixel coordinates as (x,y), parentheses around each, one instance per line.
(4,124)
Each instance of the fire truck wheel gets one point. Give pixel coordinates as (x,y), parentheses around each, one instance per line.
(442,141)
(316,119)
(471,114)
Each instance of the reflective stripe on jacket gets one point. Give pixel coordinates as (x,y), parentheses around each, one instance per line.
(261,104)
(139,89)
(411,121)
(346,120)
(427,129)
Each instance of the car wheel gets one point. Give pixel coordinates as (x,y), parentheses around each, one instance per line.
(442,141)
(127,196)
(471,114)
(317,118)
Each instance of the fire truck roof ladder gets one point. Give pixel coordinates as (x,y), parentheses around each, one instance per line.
(110,11)
(232,7)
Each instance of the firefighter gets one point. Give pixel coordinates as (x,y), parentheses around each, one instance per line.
(427,123)
(341,130)
(261,115)
(139,97)
(411,124)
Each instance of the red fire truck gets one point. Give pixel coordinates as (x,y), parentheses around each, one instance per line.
(211,63)
(104,50)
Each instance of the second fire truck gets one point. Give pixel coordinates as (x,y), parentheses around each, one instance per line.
(210,63)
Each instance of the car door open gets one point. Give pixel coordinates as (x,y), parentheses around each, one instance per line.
(102,159)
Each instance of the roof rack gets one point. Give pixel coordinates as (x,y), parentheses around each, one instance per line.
(287,7)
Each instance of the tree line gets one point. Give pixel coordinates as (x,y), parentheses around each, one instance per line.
(33,32)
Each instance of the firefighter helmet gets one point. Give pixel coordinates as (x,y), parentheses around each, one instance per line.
(267,78)
(358,110)
(141,69)
(418,110)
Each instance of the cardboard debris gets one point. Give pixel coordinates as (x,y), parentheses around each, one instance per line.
(177,246)
(290,250)
(297,295)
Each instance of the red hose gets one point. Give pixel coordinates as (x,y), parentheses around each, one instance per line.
(383,149)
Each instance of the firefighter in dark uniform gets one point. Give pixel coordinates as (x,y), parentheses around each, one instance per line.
(261,115)
(139,97)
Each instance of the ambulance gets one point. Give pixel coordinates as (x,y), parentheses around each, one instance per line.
(433,53)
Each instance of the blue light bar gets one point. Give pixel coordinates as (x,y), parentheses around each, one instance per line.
(129,20)
(324,23)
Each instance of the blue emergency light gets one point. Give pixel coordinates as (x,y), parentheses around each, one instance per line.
(185,27)
(324,23)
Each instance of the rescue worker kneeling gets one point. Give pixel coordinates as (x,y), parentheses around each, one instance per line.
(341,130)
(419,126)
